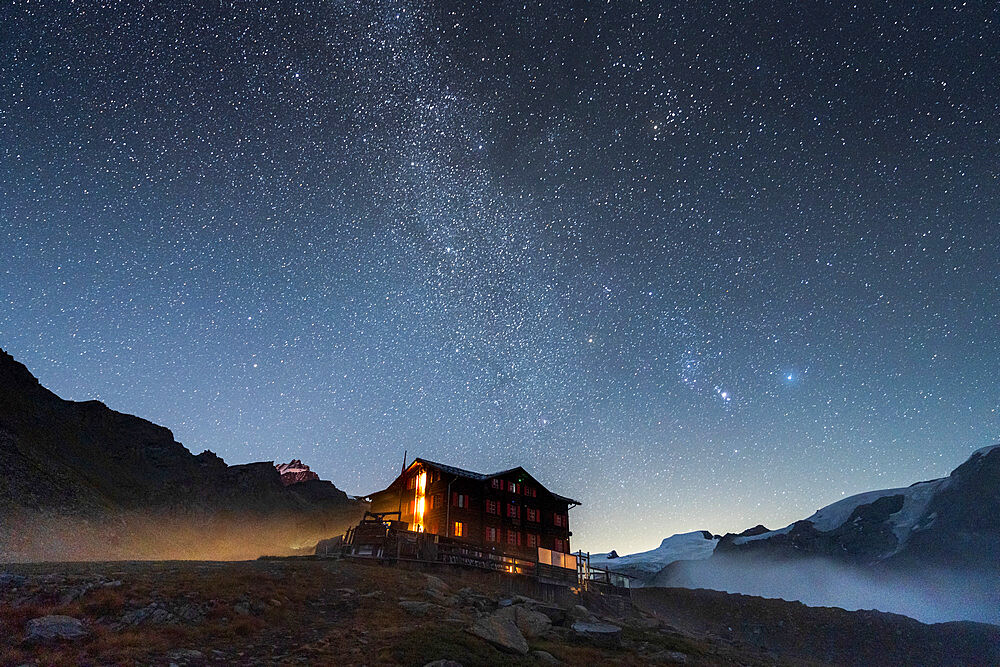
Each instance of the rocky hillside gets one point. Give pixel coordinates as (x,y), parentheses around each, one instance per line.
(70,470)
(260,613)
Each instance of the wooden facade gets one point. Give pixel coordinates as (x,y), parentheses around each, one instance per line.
(508,512)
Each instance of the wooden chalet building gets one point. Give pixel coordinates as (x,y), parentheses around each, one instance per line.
(507,512)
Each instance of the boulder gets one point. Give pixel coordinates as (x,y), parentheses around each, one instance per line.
(555,614)
(531,623)
(501,631)
(416,607)
(600,634)
(49,628)
(437,584)
(544,658)
(579,613)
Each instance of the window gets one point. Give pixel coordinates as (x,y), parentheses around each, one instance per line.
(497,484)
(513,511)
(459,529)
(558,545)
(492,507)
(491,534)
(435,527)
(530,491)
(512,487)
(513,537)
(412,482)
(531,539)
(559,520)
(436,501)
(532,513)
(460,500)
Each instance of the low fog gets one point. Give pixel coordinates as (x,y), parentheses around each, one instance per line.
(160,536)
(932,597)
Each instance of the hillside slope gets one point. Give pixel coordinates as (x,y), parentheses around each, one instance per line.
(77,478)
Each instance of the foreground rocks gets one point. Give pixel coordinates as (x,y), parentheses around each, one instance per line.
(54,627)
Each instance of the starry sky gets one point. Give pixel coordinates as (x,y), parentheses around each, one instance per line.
(698,265)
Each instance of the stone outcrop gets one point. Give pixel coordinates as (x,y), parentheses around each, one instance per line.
(294,472)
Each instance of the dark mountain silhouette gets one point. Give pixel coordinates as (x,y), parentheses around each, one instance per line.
(79,470)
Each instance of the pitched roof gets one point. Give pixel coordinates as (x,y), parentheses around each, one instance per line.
(478,476)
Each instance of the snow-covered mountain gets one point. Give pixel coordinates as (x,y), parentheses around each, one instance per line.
(953,521)
(930,550)
(641,566)
(294,472)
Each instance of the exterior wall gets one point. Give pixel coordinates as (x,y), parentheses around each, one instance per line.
(499,503)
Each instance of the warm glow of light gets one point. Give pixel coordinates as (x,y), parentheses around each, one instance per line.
(419,504)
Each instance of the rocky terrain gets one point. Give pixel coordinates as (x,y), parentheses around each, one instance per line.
(82,481)
(300,611)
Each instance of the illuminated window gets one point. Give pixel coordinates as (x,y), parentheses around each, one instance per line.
(532,513)
(459,529)
(491,534)
(512,487)
(531,539)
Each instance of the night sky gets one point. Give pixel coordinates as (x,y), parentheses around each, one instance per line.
(700,267)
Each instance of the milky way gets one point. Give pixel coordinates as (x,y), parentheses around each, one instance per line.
(699,267)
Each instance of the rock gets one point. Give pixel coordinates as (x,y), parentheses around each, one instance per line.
(579,613)
(443,663)
(545,658)
(151,614)
(439,596)
(502,632)
(670,657)
(48,628)
(183,655)
(437,584)
(242,608)
(556,614)
(190,612)
(531,623)
(612,554)
(506,602)
(9,580)
(416,607)
(601,634)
